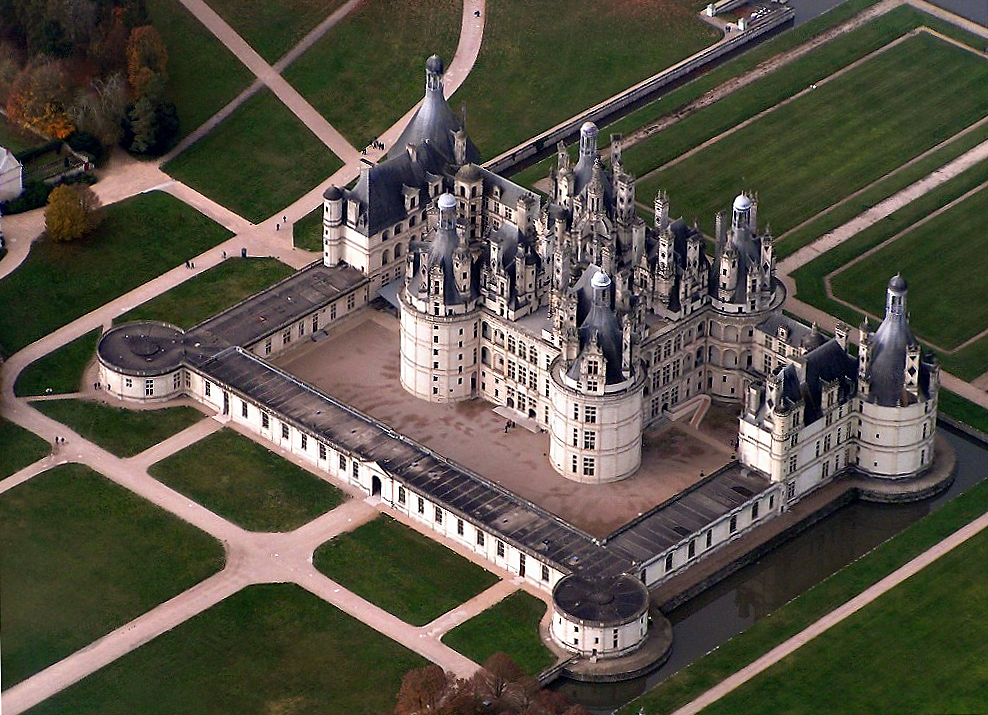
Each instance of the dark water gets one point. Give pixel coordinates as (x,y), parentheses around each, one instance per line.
(974,10)
(729,607)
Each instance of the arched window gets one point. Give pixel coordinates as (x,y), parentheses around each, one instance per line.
(397,250)
(385,258)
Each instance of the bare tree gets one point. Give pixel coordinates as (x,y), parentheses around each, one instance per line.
(422,691)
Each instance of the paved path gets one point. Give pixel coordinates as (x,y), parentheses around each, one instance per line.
(834,617)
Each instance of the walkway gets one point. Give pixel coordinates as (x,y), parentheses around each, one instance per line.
(834,617)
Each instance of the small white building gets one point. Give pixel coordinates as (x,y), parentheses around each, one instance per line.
(11,175)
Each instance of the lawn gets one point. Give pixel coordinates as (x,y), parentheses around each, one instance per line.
(967,363)
(274,649)
(81,557)
(402,571)
(19,448)
(363,92)
(251,486)
(307,231)
(271,28)
(15,139)
(937,265)
(921,647)
(837,138)
(60,370)
(120,431)
(140,238)
(511,626)
(203,76)
(210,292)
(256,161)
(785,622)
(963,410)
(543,62)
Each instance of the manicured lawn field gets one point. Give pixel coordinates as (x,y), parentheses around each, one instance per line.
(82,556)
(736,653)
(246,483)
(401,571)
(257,161)
(18,448)
(271,28)
(363,92)
(210,292)
(203,75)
(967,363)
(511,626)
(964,410)
(273,649)
(836,139)
(140,238)
(307,231)
(921,647)
(60,370)
(15,139)
(543,62)
(123,432)
(936,261)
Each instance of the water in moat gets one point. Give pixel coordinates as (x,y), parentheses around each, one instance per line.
(732,605)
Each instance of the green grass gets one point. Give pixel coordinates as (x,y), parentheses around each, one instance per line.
(15,139)
(82,556)
(837,138)
(401,571)
(307,231)
(785,622)
(140,238)
(18,448)
(938,267)
(271,28)
(967,363)
(210,292)
(840,214)
(921,647)
(511,626)
(543,62)
(251,486)
(963,410)
(273,649)
(257,161)
(60,370)
(203,76)
(122,432)
(363,92)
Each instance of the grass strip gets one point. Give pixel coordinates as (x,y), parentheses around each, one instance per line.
(210,292)
(271,648)
(307,231)
(60,370)
(796,615)
(402,571)
(81,557)
(510,626)
(140,238)
(242,481)
(19,448)
(120,431)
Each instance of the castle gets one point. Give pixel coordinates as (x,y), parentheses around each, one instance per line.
(583,321)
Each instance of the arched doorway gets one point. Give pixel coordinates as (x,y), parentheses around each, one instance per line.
(511,402)
(531,413)
(375,486)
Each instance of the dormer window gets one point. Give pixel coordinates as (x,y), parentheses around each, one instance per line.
(593,367)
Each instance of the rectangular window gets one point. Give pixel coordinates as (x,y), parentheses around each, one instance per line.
(459,527)
(284,431)
(500,548)
(545,572)
(148,388)
(574,464)
(420,507)
(401,495)
(177,383)
(691,549)
(286,337)
(342,463)
(588,466)
(243,409)
(754,511)
(322,451)
(589,439)
(351,301)
(439,515)
(305,441)
(265,420)
(355,468)
(590,415)
(480,537)
(791,489)
(792,464)
(267,346)
(576,437)
(315,323)
(576,409)
(301,329)
(332,312)
(669,558)
(130,383)
(710,539)
(734,523)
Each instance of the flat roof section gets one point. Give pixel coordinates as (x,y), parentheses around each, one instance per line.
(360,367)
(144,348)
(282,304)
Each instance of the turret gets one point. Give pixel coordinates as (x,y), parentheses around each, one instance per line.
(661,210)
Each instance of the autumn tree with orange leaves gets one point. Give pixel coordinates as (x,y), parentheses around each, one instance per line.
(39,98)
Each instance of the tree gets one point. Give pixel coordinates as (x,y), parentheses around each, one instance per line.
(422,690)
(100,110)
(73,211)
(147,59)
(499,672)
(39,97)
(149,126)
